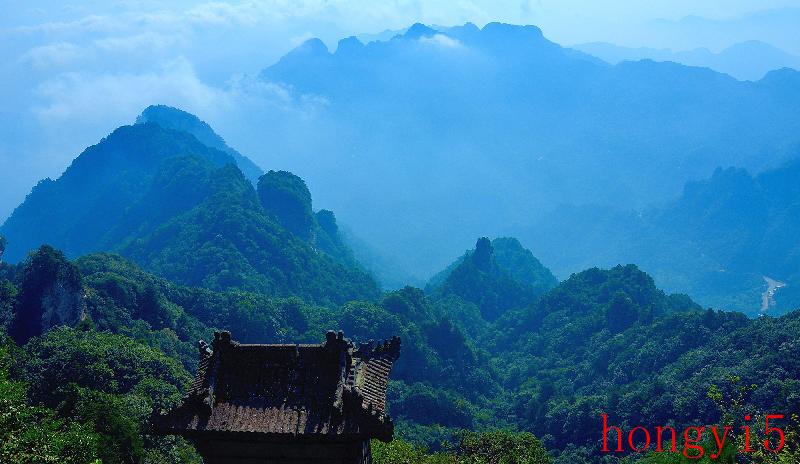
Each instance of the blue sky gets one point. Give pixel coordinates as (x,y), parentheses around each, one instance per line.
(72,72)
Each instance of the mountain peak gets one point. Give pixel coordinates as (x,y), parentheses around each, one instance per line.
(469,26)
(418,30)
(501,267)
(313,46)
(153,112)
(349,45)
(782,77)
(177,119)
(483,254)
(513,30)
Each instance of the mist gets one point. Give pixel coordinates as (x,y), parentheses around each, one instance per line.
(70,73)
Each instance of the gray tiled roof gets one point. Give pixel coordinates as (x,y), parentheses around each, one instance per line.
(331,390)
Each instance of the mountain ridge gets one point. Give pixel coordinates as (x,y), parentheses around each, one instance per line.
(716,242)
(174,118)
(184,210)
(750,60)
(513,124)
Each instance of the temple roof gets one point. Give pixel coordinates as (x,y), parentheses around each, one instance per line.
(334,389)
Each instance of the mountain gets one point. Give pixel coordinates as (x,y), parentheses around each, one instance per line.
(749,60)
(173,118)
(512,258)
(610,340)
(78,211)
(183,210)
(137,312)
(776,25)
(719,241)
(286,198)
(480,280)
(603,340)
(436,136)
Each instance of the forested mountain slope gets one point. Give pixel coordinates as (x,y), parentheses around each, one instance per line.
(185,211)
(173,118)
(601,341)
(496,276)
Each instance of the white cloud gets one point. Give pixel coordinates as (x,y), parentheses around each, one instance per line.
(217,13)
(119,97)
(441,40)
(134,43)
(112,99)
(89,24)
(52,55)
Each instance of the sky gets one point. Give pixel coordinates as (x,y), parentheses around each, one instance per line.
(71,72)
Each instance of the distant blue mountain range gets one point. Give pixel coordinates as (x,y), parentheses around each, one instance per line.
(426,140)
(749,60)
(719,241)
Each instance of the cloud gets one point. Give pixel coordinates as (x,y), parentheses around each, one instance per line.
(120,96)
(74,74)
(58,54)
(441,40)
(136,43)
(111,99)
(217,13)
(89,24)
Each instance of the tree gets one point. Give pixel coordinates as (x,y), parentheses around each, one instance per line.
(621,313)
(398,451)
(501,447)
(34,434)
(8,297)
(496,447)
(108,381)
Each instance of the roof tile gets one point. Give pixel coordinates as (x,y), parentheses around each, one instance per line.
(331,389)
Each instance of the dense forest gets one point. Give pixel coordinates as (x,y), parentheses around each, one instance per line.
(154,238)
(99,334)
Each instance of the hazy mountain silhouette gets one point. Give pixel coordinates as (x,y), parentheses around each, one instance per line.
(422,142)
(749,60)
(511,257)
(716,242)
(777,26)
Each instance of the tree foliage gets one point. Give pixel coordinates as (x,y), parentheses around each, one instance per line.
(286,197)
(34,434)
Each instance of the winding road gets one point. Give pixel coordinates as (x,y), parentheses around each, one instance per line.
(767,298)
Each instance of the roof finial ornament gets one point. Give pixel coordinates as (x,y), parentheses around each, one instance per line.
(205,349)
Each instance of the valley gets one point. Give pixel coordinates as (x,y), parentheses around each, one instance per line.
(548,247)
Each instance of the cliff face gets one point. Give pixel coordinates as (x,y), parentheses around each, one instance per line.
(50,294)
(62,303)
